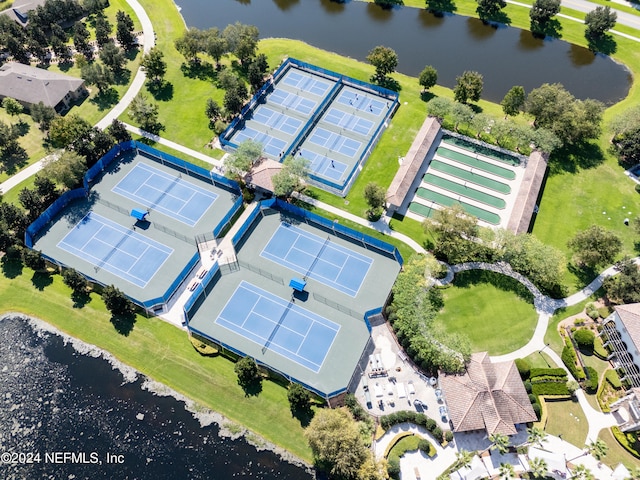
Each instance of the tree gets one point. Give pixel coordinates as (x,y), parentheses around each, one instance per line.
(499,442)
(12,106)
(103,30)
(580,472)
(385,61)
(626,136)
(33,259)
(145,113)
(541,12)
(234,98)
(256,71)
(291,177)
(68,169)
(242,41)
(461,113)
(455,232)
(598,21)
(43,115)
(247,371)
(468,87)
(116,302)
(428,77)
(213,111)
(190,44)
(388,3)
(118,131)
(154,65)
(375,195)
(246,155)
(624,287)
(598,449)
(595,247)
(439,107)
(538,467)
(64,130)
(490,9)
(95,74)
(572,121)
(299,398)
(124,31)
(506,471)
(584,339)
(75,281)
(513,101)
(215,45)
(81,39)
(463,458)
(336,444)
(536,436)
(113,57)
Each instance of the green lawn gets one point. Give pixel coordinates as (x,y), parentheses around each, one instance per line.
(616,453)
(567,418)
(493,310)
(160,351)
(540,360)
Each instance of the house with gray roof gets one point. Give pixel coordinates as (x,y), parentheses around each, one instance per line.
(488,396)
(30,85)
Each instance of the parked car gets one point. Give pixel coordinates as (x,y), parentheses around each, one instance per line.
(439,395)
(443,413)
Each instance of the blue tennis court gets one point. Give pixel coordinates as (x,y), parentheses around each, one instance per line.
(116,249)
(290,100)
(323,165)
(361,102)
(318,258)
(270,145)
(335,142)
(301,81)
(277,120)
(278,325)
(165,193)
(348,121)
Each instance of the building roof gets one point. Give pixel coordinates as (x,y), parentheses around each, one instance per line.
(31,85)
(489,396)
(528,193)
(629,315)
(413,161)
(261,173)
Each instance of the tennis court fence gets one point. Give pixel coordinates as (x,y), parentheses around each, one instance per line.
(173,233)
(50,213)
(259,271)
(337,306)
(111,205)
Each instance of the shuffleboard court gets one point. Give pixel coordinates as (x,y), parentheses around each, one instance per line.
(317,258)
(478,163)
(446,201)
(279,325)
(465,191)
(116,249)
(472,177)
(168,194)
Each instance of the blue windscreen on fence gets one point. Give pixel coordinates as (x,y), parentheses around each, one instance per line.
(227,218)
(48,215)
(150,304)
(196,298)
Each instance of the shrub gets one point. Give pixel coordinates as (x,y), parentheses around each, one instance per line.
(570,359)
(437,434)
(426,447)
(527,386)
(591,383)
(550,388)
(548,372)
(430,424)
(448,436)
(537,409)
(533,398)
(393,468)
(524,368)
(584,338)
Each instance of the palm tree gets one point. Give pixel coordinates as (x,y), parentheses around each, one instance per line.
(463,458)
(506,471)
(499,442)
(634,474)
(536,436)
(538,467)
(582,473)
(598,449)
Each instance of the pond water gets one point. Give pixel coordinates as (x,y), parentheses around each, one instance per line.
(505,56)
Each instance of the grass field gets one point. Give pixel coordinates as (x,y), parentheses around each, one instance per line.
(493,310)
(158,350)
(616,453)
(567,418)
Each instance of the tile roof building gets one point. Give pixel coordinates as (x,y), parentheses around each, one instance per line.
(30,85)
(488,396)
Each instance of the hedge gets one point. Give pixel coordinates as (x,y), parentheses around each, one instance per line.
(550,372)
(629,441)
(387,421)
(591,383)
(524,368)
(550,388)
(395,440)
(570,359)
(584,338)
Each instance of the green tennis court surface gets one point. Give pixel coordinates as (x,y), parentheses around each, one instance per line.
(487,152)
(476,163)
(465,191)
(468,176)
(447,201)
